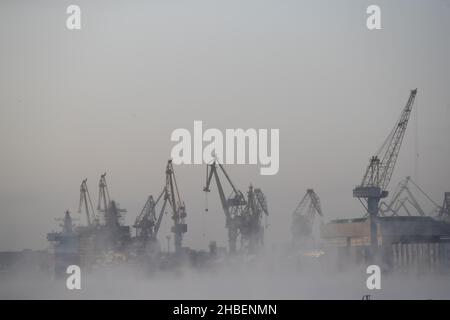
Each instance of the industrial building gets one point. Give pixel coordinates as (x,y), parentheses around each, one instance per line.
(404,242)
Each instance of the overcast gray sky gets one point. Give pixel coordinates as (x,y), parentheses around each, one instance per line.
(74,104)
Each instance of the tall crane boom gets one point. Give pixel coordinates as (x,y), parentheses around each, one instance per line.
(395,205)
(243,216)
(147,223)
(172,195)
(232,206)
(103,194)
(85,201)
(410,201)
(251,228)
(112,214)
(379,172)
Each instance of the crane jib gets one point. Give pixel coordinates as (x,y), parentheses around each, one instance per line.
(379,172)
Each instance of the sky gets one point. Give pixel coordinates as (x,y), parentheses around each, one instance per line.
(106,98)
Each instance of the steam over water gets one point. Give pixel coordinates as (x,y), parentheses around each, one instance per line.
(108,97)
(238,280)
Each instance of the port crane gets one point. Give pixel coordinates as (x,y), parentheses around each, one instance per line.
(408,202)
(232,206)
(110,209)
(444,213)
(304,215)
(381,166)
(103,194)
(147,223)
(86,203)
(251,227)
(242,216)
(67,231)
(171,195)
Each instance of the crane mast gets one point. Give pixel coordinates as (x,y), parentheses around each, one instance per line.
(146,220)
(232,206)
(112,214)
(380,169)
(444,213)
(398,202)
(85,201)
(103,194)
(242,216)
(252,231)
(147,223)
(304,215)
(172,195)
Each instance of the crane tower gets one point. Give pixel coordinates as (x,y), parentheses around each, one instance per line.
(381,166)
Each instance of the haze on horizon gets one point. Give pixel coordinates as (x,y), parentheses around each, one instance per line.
(74,104)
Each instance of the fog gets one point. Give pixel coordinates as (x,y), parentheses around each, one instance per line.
(74,104)
(259,279)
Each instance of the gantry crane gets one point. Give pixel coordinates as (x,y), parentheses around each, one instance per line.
(242,217)
(147,223)
(381,166)
(304,215)
(85,201)
(398,202)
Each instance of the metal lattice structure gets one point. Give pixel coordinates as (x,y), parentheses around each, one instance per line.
(379,172)
(103,194)
(251,227)
(381,166)
(112,213)
(403,200)
(304,215)
(242,216)
(86,203)
(148,223)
